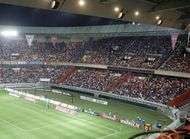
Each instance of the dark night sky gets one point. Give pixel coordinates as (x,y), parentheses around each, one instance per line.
(22,16)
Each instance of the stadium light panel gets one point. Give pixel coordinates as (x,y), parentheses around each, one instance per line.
(160,22)
(9,33)
(157,17)
(54,4)
(122,14)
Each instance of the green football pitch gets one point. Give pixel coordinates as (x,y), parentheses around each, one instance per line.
(20,119)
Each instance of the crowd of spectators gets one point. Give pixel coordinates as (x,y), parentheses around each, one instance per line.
(137,52)
(29,74)
(151,88)
(137,61)
(148,52)
(12,49)
(91,79)
(155,89)
(134,51)
(19,50)
(178,62)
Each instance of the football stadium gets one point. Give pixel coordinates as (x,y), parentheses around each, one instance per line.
(94,69)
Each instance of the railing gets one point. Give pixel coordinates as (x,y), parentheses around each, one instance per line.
(19,85)
(172,73)
(98,66)
(104,30)
(24,63)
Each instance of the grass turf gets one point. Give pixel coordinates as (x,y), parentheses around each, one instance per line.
(25,120)
(123,109)
(20,119)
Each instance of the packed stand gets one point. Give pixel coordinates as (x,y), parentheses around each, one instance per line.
(28,74)
(138,52)
(91,79)
(151,88)
(178,63)
(17,49)
(155,89)
(12,49)
(134,51)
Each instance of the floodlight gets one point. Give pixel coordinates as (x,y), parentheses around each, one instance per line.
(157,17)
(9,33)
(136,13)
(116,9)
(81,2)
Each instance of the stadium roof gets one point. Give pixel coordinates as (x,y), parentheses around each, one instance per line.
(24,16)
(98,31)
(174,13)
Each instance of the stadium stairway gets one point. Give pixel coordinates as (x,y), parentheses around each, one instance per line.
(65,75)
(117,82)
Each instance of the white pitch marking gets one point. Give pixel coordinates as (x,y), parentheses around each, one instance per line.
(103,137)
